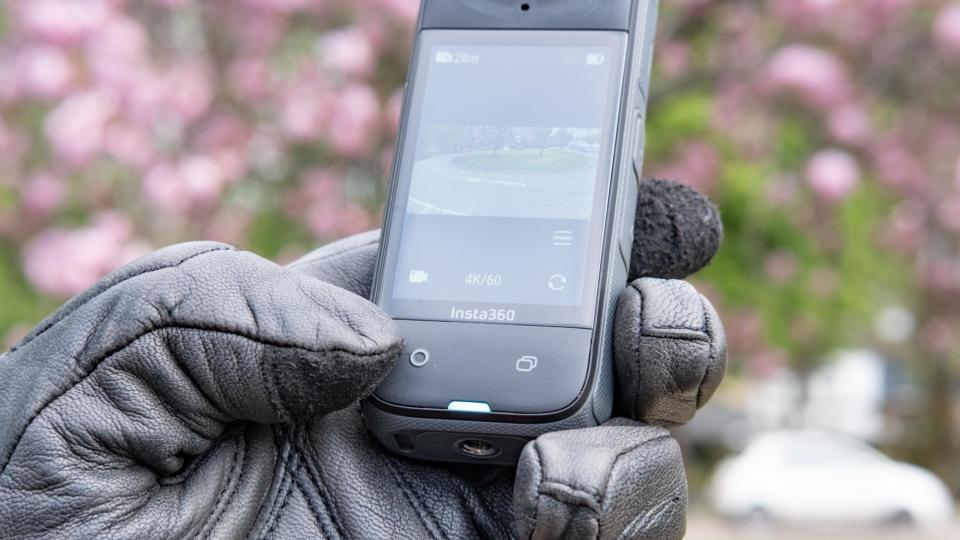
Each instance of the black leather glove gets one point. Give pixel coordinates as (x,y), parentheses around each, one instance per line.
(207,392)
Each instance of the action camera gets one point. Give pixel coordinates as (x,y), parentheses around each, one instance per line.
(509,223)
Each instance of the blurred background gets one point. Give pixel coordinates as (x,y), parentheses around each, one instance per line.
(828,131)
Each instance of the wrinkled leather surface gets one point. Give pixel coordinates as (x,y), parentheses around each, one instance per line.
(204,392)
(670,351)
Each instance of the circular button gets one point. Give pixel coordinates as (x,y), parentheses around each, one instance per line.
(419,357)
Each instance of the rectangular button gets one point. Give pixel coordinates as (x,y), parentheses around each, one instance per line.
(468,406)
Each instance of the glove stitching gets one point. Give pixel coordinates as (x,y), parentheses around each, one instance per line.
(712,357)
(595,518)
(699,336)
(538,468)
(117,350)
(667,331)
(288,475)
(616,462)
(557,490)
(185,472)
(60,317)
(656,510)
(321,523)
(310,467)
(569,494)
(635,346)
(283,457)
(422,513)
(628,450)
(231,486)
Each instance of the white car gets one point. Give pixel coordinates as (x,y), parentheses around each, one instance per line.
(812,477)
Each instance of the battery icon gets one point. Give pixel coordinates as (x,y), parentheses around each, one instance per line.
(594,59)
(444,57)
(418,276)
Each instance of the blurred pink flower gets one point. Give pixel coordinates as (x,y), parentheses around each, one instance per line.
(322,206)
(386,162)
(62,22)
(129,143)
(849,124)
(348,50)
(258,30)
(12,144)
(948,212)
(116,53)
(405,10)
(302,115)
(42,71)
(768,363)
(395,106)
(230,226)
(282,6)
(780,192)
(353,120)
(697,165)
(145,98)
(674,58)
(42,194)
(804,12)
(195,181)
(889,8)
(63,262)
(905,229)
(833,174)
(226,138)
(692,5)
(188,90)
(249,77)
(946,27)
(938,335)
(897,165)
(817,76)
(781,267)
(8,92)
(941,273)
(305,107)
(76,128)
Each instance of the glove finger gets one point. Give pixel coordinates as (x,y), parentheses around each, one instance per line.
(348,263)
(619,480)
(198,332)
(670,351)
(121,403)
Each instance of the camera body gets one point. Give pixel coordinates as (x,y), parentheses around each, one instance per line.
(509,223)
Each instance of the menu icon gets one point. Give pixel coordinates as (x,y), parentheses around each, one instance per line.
(562,238)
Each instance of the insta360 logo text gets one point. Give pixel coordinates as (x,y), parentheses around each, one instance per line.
(492,314)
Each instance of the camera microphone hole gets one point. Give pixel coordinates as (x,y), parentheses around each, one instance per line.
(524,7)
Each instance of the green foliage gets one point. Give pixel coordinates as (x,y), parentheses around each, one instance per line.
(273,232)
(837,276)
(20,304)
(675,120)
